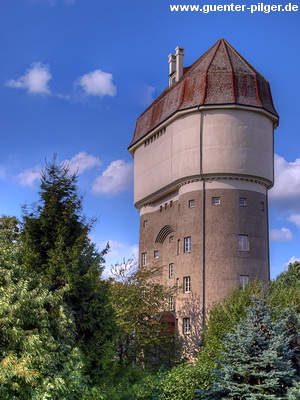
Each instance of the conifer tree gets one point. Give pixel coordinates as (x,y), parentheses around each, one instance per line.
(38,355)
(256,360)
(58,249)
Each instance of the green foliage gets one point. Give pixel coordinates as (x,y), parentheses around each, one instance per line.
(9,229)
(38,356)
(179,383)
(222,318)
(294,392)
(144,337)
(285,290)
(256,358)
(57,248)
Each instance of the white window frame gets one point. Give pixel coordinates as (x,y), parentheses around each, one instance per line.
(156,254)
(215,201)
(187,248)
(191,203)
(186,284)
(186,326)
(144,259)
(243,243)
(171,270)
(244,280)
(171,303)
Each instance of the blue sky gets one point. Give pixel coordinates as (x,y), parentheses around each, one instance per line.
(75,75)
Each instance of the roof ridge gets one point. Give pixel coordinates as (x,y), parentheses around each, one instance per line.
(244,61)
(231,69)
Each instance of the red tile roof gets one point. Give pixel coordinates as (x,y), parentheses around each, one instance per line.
(221,76)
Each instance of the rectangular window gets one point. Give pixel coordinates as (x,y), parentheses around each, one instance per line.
(262,206)
(242,202)
(215,201)
(171,270)
(171,304)
(178,246)
(166,205)
(160,208)
(171,239)
(186,326)
(244,280)
(187,244)
(187,284)
(156,254)
(144,259)
(191,203)
(145,223)
(171,203)
(243,243)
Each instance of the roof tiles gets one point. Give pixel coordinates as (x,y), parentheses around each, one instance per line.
(220,77)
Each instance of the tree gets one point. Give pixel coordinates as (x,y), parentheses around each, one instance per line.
(285,289)
(9,229)
(38,356)
(256,362)
(58,249)
(145,336)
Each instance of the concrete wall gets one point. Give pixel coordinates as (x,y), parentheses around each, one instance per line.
(237,142)
(223,262)
(234,142)
(172,156)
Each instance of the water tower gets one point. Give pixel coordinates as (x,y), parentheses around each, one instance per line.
(203,164)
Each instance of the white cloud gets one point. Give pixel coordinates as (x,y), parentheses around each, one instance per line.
(97,83)
(82,162)
(281,235)
(291,261)
(286,191)
(295,218)
(35,80)
(77,164)
(117,178)
(29,176)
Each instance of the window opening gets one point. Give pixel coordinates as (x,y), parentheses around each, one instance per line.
(216,201)
(186,326)
(171,270)
(243,243)
(191,203)
(144,259)
(187,284)
(187,244)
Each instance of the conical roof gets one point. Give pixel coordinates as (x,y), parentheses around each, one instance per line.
(220,77)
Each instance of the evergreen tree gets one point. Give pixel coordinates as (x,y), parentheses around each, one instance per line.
(58,249)
(256,360)
(38,356)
